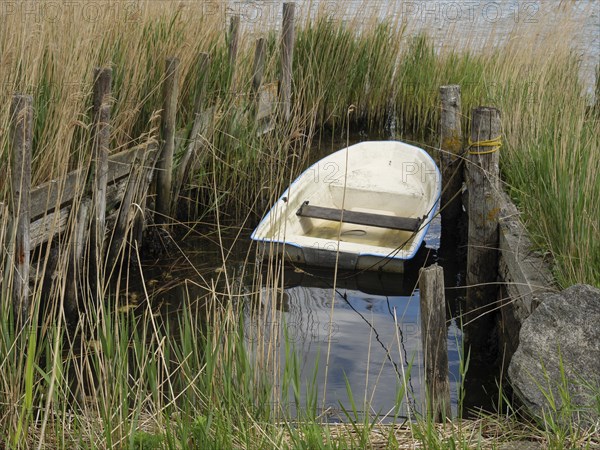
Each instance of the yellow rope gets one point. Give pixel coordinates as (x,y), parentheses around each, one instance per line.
(495,145)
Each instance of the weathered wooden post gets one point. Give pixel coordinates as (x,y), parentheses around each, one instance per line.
(21,134)
(434,338)
(482,175)
(78,239)
(257,71)
(199,126)
(203,73)
(234,37)
(149,162)
(233,45)
(167,127)
(100,149)
(287,58)
(120,228)
(451,146)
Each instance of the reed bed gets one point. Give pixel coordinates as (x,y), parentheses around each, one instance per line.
(122,374)
(389,75)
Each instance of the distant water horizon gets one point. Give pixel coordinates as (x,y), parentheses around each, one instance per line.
(460,24)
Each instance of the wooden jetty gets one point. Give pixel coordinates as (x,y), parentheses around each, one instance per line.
(100,204)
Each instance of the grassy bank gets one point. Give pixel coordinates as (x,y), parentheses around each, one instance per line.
(125,375)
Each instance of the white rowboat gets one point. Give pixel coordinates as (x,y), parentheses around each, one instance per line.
(367,206)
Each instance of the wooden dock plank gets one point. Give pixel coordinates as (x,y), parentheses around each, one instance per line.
(56,193)
(47,226)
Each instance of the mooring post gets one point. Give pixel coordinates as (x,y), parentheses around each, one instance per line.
(257,72)
(167,127)
(287,58)
(200,120)
(451,146)
(21,134)
(234,37)
(100,149)
(434,337)
(233,45)
(482,175)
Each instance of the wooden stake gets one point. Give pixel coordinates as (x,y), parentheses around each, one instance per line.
(100,149)
(198,127)
(287,58)
(78,241)
(149,163)
(21,134)
(165,162)
(482,176)
(121,224)
(451,146)
(258,70)
(234,37)
(203,73)
(435,341)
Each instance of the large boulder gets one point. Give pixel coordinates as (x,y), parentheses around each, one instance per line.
(559,352)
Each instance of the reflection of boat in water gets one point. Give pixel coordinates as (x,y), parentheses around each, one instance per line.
(365,207)
(369,282)
(365,329)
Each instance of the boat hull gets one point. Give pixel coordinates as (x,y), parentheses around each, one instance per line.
(328,258)
(365,207)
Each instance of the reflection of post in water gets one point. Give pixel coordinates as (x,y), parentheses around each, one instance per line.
(411,406)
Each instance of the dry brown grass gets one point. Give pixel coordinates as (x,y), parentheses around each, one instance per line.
(551,162)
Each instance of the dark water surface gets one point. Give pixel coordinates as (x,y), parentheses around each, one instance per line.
(369,325)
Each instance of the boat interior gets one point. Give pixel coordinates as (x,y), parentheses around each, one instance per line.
(384,187)
(388,197)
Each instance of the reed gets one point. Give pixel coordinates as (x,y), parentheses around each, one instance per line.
(390,75)
(121,373)
(178,366)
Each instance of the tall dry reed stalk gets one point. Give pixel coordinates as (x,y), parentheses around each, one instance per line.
(120,371)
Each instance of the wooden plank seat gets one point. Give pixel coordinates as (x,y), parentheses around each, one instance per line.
(360,218)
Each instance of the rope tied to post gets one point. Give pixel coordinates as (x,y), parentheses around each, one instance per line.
(493,144)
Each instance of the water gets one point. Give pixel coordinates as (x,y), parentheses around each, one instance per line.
(373,339)
(369,325)
(460,24)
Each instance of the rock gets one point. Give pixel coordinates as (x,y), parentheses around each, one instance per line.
(565,325)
